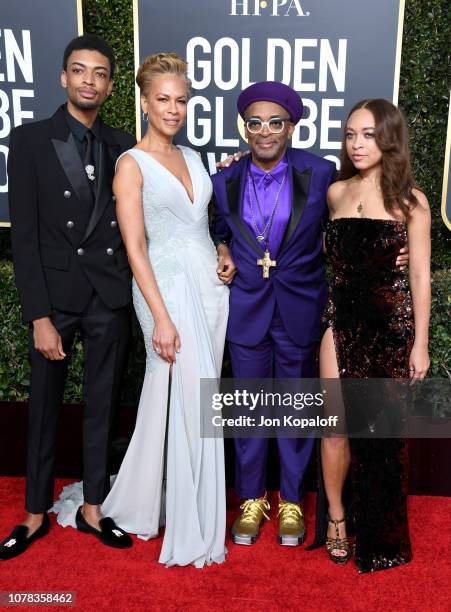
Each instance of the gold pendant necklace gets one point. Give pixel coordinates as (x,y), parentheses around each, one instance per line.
(266,263)
(359,207)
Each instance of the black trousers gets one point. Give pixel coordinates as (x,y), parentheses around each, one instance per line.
(104,334)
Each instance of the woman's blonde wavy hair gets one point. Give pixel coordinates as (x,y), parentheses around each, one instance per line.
(161,63)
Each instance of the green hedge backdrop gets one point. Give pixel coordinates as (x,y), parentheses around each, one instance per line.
(424,97)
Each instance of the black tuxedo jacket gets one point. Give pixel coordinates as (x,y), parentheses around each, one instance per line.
(63,244)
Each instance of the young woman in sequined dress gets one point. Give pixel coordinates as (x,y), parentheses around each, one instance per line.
(376,326)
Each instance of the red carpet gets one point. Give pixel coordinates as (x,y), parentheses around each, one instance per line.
(265,576)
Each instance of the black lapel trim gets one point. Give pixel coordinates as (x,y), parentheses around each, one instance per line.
(235,192)
(300,186)
(106,165)
(72,165)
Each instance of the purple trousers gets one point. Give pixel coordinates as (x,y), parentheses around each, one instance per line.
(275,357)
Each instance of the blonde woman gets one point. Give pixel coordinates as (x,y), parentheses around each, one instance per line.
(162,195)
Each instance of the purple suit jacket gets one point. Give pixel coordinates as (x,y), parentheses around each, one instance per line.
(297,284)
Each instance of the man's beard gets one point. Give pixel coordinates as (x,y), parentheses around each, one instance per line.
(85,104)
(267,156)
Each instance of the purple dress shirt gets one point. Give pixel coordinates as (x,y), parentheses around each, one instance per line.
(267,185)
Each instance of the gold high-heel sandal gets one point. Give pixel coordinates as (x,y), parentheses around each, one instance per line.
(337,543)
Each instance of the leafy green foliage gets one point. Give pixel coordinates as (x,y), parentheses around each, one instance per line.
(113,20)
(424,97)
(440,331)
(14,365)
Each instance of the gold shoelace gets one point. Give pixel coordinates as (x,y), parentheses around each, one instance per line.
(252,507)
(291,513)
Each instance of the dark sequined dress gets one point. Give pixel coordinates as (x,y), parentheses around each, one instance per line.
(370,313)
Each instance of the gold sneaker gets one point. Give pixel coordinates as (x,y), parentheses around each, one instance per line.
(246,527)
(291,524)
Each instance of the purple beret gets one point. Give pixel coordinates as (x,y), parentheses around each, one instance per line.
(271,91)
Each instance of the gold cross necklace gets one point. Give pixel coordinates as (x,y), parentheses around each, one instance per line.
(266,263)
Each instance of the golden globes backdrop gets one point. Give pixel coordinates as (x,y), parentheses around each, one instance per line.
(333,52)
(33,35)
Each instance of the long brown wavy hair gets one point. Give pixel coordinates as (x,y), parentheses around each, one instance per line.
(391,137)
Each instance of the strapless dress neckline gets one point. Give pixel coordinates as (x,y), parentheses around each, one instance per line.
(395,221)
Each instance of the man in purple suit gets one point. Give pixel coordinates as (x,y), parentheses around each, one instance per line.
(268,227)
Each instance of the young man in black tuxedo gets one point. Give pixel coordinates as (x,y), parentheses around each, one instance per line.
(72,275)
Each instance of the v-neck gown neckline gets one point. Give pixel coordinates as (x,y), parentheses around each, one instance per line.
(161,165)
